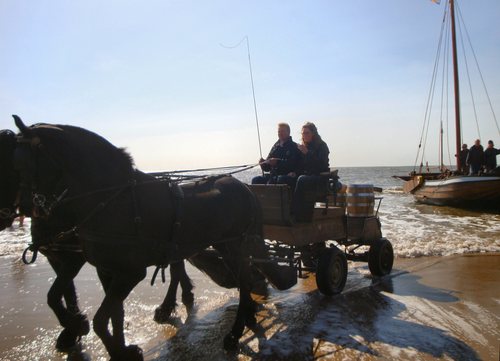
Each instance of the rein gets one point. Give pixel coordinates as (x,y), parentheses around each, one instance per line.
(181,175)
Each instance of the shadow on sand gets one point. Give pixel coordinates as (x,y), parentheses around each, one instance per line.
(366,321)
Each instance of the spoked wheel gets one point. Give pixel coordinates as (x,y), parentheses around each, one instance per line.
(331,274)
(381,257)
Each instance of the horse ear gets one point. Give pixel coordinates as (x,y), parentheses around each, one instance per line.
(22,127)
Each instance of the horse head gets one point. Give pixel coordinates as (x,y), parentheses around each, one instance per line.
(57,161)
(39,172)
(9,179)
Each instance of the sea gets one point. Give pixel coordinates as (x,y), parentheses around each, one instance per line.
(415,230)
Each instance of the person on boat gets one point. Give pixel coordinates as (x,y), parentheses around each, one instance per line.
(464,168)
(490,156)
(310,184)
(475,158)
(282,162)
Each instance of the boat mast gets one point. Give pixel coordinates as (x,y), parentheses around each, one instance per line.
(441,153)
(456,85)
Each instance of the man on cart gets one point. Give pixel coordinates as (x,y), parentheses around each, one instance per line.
(282,162)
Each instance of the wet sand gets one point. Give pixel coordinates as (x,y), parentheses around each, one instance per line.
(428,308)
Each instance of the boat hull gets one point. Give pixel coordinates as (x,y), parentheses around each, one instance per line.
(461,191)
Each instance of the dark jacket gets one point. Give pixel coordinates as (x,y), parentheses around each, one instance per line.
(490,158)
(476,155)
(316,160)
(289,158)
(463,156)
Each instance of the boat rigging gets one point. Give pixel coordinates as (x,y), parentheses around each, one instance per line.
(448,186)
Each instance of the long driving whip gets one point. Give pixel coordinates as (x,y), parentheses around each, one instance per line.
(253,88)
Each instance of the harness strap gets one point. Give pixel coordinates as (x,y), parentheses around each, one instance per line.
(168,248)
(162,267)
(137,216)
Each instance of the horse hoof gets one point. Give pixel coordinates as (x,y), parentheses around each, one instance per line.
(230,342)
(77,326)
(84,327)
(66,340)
(129,353)
(163,315)
(133,353)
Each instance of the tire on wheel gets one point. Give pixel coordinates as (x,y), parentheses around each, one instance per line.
(331,272)
(381,257)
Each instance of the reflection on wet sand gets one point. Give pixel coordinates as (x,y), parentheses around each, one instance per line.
(395,317)
(429,308)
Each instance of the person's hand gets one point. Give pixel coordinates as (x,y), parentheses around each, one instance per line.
(273,161)
(302,148)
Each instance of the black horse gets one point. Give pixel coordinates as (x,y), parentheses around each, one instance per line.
(9,179)
(65,258)
(64,253)
(126,221)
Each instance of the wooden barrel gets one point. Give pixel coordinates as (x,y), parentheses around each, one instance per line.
(360,200)
(342,197)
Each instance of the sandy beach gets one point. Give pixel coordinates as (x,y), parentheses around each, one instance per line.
(428,308)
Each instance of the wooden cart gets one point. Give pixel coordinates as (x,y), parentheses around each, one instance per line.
(314,246)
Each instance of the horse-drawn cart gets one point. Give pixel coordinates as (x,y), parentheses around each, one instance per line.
(315,246)
(156,222)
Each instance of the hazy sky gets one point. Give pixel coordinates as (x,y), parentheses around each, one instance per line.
(152,76)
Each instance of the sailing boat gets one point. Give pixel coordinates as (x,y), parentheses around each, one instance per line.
(447,187)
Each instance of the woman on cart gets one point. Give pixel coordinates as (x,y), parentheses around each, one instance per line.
(311,185)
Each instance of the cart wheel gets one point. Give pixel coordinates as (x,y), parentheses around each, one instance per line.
(331,274)
(381,257)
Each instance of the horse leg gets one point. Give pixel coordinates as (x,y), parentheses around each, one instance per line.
(74,265)
(75,324)
(106,278)
(117,286)
(186,285)
(246,308)
(167,307)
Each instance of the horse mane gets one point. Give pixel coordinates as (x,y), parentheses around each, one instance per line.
(83,149)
